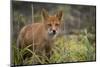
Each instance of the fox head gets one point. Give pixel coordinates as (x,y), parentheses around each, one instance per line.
(52,23)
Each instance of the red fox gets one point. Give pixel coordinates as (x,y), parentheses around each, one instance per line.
(41,34)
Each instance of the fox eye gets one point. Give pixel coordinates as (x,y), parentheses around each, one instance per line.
(49,24)
(56,24)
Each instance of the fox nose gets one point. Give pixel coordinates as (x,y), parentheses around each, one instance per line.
(54,32)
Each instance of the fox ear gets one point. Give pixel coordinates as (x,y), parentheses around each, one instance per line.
(44,14)
(59,15)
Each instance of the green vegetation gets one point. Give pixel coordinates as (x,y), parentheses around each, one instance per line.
(71,48)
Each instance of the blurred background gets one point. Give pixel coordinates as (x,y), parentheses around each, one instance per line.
(78,42)
(76,17)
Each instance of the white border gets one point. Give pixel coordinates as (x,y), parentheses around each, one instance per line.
(5,33)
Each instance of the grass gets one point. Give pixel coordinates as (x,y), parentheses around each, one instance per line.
(71,48)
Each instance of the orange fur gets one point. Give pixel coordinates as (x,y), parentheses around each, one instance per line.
(37,33)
